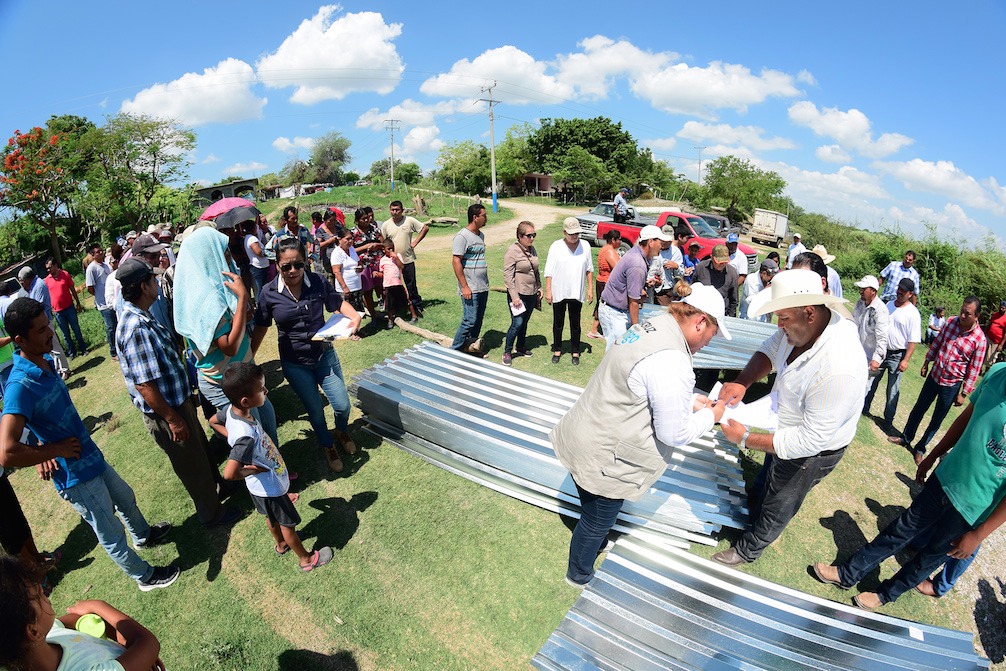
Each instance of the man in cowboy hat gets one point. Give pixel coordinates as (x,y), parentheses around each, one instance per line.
(834,281)
(820,397)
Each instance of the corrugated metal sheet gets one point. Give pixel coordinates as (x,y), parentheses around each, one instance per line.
(490,423)
(651,608)
(726,354)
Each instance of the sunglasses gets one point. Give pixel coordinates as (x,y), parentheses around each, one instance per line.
(287,267)
(530,235)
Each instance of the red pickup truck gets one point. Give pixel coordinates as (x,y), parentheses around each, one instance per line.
(703,232)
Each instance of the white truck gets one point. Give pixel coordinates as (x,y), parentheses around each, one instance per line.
(769,228)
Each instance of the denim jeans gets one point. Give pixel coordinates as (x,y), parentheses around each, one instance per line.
(932,514)
(97,501)
(944,397)
(952,570)
(890,364)
(67,320)
(614,322)
(518,323)
(473,310)
(305,380)
(108,315)
(787,483)
(264,414)
(597,517)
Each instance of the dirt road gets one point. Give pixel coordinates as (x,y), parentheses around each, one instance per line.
(540,215)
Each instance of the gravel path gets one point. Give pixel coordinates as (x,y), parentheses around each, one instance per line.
(540,215)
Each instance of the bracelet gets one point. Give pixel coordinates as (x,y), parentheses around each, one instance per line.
(744,440)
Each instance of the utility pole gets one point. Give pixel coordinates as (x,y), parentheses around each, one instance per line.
(492,141)
(392,127)
(700,161)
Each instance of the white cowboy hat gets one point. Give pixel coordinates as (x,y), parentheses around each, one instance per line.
(822,251)
(710,301)
(795,289)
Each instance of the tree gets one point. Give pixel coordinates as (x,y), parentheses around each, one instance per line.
(329,154)
(297,171)
(407,173)
(583,171)
(464,167)
(351,177)
(552,141)
(740,187)
(513,155)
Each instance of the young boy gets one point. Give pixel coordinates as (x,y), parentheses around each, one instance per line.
(257,461)
(394,290)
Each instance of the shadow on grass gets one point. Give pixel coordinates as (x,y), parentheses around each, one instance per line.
(341,519)
(885,514)
(296,660)
(77,383)
(94,423)
(79,543)
(846,533)
(92,362)
(990,613)
(913,487)
(492,339)
(196,544)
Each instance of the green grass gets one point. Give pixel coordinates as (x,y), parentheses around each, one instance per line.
(430,571)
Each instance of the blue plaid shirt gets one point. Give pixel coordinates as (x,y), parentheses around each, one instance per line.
(893,274)
(147,354)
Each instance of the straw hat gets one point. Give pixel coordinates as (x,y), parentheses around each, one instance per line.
(710,301)
(795,289)
(821,251)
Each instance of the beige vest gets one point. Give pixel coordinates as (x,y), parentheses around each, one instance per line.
(606,440)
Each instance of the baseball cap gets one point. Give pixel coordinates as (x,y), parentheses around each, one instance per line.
(721,253)
(133,270)
(147,244)
(770,266)
(906,284)
(571,225)
(868,282)
(653,233)
(733,237)
(796,236)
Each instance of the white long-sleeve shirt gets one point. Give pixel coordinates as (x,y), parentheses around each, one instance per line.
(666,380)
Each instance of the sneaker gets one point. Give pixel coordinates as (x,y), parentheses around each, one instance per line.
(414,320)
(523,353)
(391,325)
(507,359)
(155,537)
(163,576)
(576,585)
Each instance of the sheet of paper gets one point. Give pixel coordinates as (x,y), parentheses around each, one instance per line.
(337,326)
(521,309)
(760,414)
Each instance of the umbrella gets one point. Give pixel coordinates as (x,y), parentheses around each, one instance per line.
(229,212)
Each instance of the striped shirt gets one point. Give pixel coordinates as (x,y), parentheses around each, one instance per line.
(893,274)
(471,249)
(957,356)
(147,354)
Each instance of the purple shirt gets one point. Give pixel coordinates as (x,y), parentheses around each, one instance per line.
(627,280)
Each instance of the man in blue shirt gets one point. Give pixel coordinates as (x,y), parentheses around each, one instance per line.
(34,287)
(37,398)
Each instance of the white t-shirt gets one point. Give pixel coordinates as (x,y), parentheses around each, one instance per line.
(740,262)
(350,267)
(95,276)
(568,270)
(250,444)
(795,250)
(257,260)
(905,326)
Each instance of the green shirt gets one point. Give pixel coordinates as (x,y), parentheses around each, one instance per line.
(973,473)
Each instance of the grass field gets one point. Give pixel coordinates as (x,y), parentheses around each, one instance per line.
(431,571)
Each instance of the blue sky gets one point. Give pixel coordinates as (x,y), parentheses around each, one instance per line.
(881,114)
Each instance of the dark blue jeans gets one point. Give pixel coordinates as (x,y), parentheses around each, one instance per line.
(890,364)
(518,323)
(108,315)
(67,320)
(944,397)
(473,310)
(597,517)
(931,513)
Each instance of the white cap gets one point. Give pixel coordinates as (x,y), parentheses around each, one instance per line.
(868,282)
(653,233)
(709,301)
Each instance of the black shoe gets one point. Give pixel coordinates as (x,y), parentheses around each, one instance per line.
(576,361)
(555,358)
(156,536)
(227,489)
(228,515)
(163,576)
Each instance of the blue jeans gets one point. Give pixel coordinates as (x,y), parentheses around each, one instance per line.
(518,323)
(67,319)
(97,501)
(473,310)
(258,278)
(890,364)
(108,315)
(264,414)
(932,514)
(951,571)
(944,397)
(597,517)
(305,380)
(614,322)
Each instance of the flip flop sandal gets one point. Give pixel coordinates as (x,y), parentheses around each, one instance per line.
(281,552)
(50,560)
(319,558)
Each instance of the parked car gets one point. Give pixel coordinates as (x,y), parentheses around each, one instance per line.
(705,235)
(605,212)
(720,223)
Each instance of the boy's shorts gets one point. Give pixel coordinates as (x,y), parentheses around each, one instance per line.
(277,509)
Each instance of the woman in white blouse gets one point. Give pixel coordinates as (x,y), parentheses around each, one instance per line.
(569,276)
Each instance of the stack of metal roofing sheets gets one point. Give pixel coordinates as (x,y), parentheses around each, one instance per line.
(651,608)
(721,353)
(490,423)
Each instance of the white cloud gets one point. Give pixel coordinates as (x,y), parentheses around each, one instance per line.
(952,222)
(805,77)
(591,72)
(946,179)
(409,112)
(288,146)
(211,158)
(520,78)
(661,144)
(841,193)
(698,91)
(328,59)
(419,141)
(221,94)
(104,103)
(748,136)
(832,153)
(850,129)
(245,169)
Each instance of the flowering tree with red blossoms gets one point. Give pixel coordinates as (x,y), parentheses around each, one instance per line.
(32,181)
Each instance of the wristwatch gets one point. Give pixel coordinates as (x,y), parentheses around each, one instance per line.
(744,440)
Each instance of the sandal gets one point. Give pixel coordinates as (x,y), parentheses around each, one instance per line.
(283,551)
(50,560)
(319,558)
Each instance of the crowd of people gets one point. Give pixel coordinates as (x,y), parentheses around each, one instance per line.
(184,318)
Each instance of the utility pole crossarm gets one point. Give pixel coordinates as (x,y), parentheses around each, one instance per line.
(492,141)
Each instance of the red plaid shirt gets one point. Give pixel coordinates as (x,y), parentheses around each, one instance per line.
(958,356)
